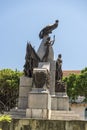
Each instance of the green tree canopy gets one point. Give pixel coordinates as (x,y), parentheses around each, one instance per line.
(77,85)
(9,86)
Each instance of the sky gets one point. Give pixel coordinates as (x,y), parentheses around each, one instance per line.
(22,20)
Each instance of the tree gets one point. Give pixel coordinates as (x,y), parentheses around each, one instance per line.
(9,86)
(82,83)
(71,86)
(77,85)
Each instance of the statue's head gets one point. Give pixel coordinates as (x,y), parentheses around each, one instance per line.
(56,21)
(59,56)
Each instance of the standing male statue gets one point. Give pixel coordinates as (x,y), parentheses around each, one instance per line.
(59,72)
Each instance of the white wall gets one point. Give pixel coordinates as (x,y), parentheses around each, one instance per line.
(79,109)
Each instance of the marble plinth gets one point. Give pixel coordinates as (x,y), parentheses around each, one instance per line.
(60,101)
(24,89)
(39,104)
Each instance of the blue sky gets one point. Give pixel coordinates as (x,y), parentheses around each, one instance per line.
(22,20)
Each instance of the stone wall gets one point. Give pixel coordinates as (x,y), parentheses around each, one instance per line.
(24,88)
(79,108)
(4,125)
(32,124)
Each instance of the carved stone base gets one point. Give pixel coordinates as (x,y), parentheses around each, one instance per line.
(60,102)
(38,113)
(24,88)
(39,104)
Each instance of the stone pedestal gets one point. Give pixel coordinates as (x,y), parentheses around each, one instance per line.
(44,65)
(24,88)
(52,77)
(51,68)
(60,102)
(39,104)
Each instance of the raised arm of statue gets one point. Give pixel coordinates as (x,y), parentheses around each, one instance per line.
(52,42)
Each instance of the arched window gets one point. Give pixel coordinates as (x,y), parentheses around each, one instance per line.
(85,113)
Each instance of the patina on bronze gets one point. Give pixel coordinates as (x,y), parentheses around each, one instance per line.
(60,86)
(59,73)
(48,43)
(31,60)
(40,79)
(48,29)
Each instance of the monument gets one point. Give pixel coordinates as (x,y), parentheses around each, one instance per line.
(42,93)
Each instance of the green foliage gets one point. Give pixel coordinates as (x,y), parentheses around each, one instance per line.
(84,70)
(77,85)
(71,86)
(9,86)
(5,118)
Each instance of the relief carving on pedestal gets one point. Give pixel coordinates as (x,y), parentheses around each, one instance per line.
(40,79)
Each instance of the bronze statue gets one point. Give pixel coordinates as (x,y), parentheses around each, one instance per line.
(48,43)
(60,86)
(48,29)
(45,51)
(40,79)
(44,54)
(31,60)
(59,72)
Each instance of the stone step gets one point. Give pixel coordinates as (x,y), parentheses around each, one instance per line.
(62,112)
(17,113)
(18,110)
(64,115)
(65,118)
(17,116)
